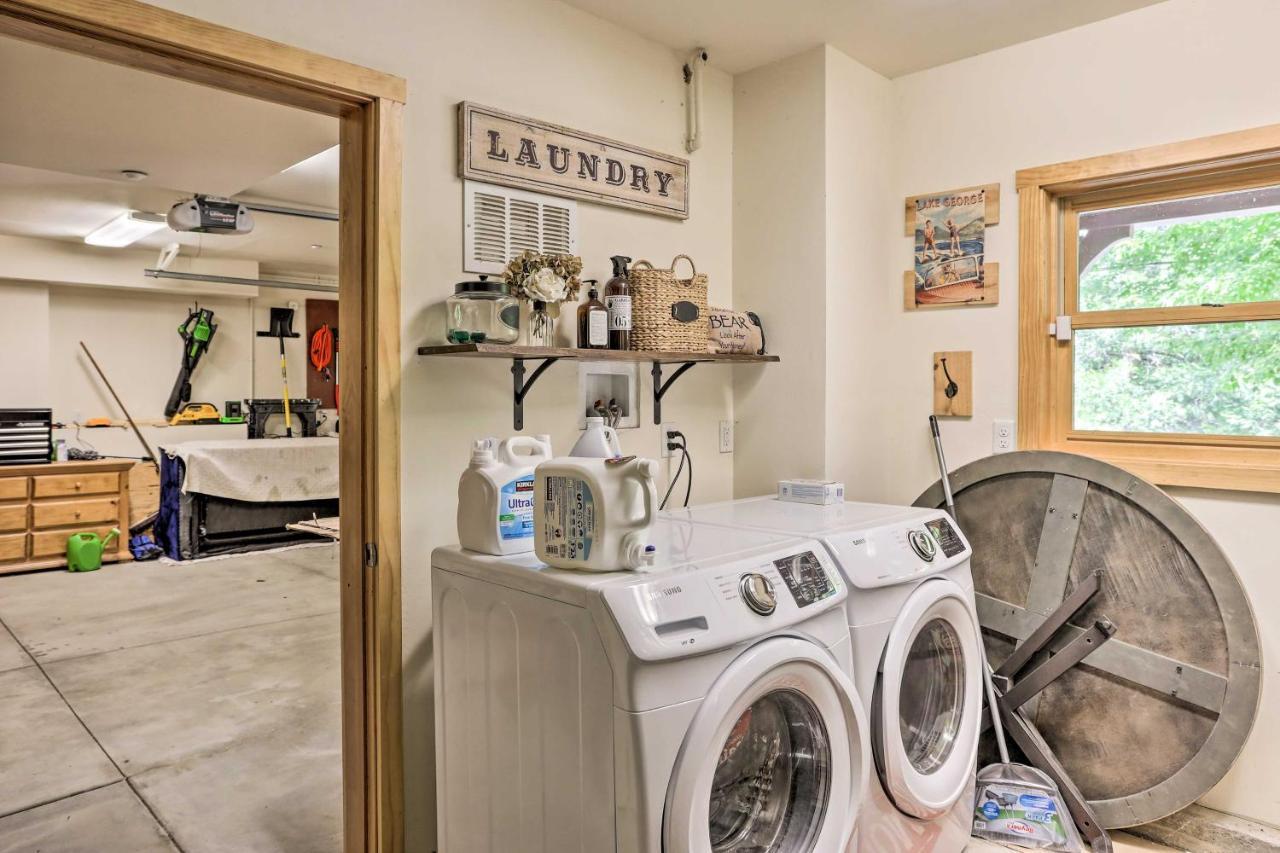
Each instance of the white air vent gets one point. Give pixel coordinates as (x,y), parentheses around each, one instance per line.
(500,223)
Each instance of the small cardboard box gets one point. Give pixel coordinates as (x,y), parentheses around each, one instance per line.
(821,492)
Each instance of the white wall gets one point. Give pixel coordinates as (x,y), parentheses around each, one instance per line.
(1173,71)
(779,255)
(24,346)
(547,60)
(133,335)
(859,142)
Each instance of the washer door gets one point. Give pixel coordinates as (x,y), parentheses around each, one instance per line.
(776,759)
(927,706)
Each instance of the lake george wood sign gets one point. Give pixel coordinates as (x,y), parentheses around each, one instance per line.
(500,148)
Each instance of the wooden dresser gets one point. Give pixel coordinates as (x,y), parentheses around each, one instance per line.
(41,505)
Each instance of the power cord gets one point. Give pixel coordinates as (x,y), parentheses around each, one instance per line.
(677,441)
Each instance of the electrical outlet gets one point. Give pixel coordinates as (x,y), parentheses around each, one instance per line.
(1004,436)
(667,427)
(726,436)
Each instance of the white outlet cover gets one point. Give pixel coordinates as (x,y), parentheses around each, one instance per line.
(1004,436)
(726,436)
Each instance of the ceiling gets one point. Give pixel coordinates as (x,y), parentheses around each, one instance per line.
(84,121)
(893,37)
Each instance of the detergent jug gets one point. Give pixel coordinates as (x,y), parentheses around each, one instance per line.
(597,441)
(595,515)
(495,494)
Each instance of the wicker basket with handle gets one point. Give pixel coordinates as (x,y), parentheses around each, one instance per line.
(668,314)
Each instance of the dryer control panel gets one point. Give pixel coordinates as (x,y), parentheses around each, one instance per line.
(700,609)
(898,552)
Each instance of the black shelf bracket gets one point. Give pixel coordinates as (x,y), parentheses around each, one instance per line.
(660,388)
(520,387)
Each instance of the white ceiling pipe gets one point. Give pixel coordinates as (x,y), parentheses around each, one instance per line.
(253,282)
(693,98)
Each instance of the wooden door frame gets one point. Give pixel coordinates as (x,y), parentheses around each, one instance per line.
(369,106)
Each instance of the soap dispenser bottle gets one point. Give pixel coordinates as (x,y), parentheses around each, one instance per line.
(617,299)
(593,321)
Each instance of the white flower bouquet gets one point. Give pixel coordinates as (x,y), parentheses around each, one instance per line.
(546,277)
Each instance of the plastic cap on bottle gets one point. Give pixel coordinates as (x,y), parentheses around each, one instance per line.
(481,452)
(620,264)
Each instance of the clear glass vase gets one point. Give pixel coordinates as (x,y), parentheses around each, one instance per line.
(542,326)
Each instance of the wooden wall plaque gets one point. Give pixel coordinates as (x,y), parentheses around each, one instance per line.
(948,367)
(514,151)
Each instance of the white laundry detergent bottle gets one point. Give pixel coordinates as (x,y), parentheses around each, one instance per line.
(495,494)
(597,441)
(595,515)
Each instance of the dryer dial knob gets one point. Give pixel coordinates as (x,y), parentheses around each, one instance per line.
(922,544)
(757,592)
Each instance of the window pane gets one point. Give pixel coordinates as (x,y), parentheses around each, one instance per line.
(1209,379)
(1222,248)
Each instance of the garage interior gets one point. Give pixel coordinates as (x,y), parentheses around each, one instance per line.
(162,699)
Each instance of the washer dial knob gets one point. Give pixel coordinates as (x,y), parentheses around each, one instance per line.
(922,543)
(757,592)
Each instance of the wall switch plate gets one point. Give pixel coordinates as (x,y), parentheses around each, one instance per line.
(726,436)
(663,439)
(1004,436)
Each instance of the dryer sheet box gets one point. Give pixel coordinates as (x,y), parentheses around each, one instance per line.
(820,492)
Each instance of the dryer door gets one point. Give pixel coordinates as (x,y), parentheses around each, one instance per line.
(927,706)
(776,759)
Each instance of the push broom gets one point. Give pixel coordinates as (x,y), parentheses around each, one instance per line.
(1016,803)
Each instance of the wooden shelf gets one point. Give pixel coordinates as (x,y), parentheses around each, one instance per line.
(550,355)
(535,353)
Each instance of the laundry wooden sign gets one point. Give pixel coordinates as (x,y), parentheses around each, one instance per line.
(514,151)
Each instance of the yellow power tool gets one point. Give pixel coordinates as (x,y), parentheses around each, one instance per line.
(196,413)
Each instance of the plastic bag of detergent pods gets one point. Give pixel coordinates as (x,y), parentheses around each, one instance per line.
(1020,805)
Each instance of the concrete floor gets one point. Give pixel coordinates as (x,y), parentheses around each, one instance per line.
(158,707)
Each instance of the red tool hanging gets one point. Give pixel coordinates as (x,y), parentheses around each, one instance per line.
(324,350)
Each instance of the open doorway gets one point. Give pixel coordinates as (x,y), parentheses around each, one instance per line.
(169,266)
(158,724)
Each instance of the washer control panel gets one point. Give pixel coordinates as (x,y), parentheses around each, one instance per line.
(704,608)
(886,555)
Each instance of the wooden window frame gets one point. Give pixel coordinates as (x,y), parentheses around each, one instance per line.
(1050,199)
(369,106)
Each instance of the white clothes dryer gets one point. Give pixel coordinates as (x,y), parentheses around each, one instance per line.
(917,659)
(701,706)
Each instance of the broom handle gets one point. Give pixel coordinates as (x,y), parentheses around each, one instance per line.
(949,498)
(154,459)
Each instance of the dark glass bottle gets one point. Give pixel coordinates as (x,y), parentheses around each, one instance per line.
(617,299)
(593,321)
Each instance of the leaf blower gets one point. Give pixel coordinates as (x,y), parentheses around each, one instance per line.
(196,333)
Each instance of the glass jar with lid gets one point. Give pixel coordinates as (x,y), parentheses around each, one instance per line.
(483,312)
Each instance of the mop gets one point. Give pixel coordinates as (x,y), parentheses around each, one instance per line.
(1014,803)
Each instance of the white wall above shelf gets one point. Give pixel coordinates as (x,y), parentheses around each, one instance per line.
(550,355)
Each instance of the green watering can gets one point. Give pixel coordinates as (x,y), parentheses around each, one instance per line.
(84,550)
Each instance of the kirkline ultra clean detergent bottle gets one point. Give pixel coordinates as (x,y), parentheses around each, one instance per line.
(495,494)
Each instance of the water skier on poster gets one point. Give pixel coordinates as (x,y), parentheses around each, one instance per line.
(950,243)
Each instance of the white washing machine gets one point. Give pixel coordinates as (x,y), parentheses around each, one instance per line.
(701,706)
(917,663)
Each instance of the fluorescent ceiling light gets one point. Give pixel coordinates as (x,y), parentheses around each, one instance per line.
(128,227)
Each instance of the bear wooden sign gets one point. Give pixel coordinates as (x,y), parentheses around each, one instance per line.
(500,148)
